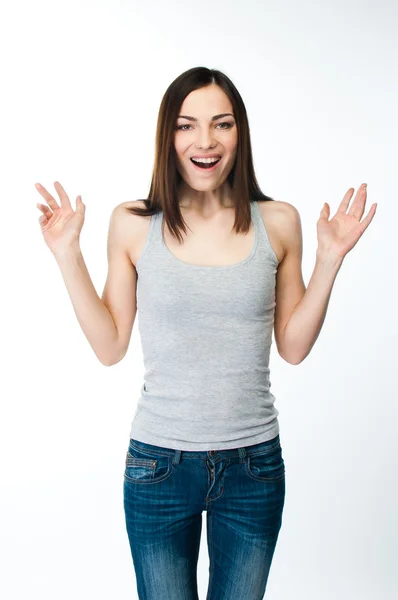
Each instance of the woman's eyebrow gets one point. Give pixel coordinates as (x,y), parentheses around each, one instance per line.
(212,119)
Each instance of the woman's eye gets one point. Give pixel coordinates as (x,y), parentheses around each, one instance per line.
(229,125)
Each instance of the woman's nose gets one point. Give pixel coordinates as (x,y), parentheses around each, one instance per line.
(204,139)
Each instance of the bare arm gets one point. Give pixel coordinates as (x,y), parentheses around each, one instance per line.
(107,322)
(300,312)
(93,316)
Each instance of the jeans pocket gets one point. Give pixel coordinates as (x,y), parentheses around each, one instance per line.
(142,466)
(267,465)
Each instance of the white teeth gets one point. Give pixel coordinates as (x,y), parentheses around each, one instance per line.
(205,160)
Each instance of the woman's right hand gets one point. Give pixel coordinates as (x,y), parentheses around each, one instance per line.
(60,225)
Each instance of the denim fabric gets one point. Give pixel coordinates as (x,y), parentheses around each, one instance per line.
(165,492)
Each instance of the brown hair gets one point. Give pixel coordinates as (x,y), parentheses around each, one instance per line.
(166,178)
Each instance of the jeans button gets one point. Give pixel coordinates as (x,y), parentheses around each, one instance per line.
(212,452)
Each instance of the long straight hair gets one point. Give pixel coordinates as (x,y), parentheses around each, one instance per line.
(163,194)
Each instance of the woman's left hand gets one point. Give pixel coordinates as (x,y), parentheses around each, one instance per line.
(339,235)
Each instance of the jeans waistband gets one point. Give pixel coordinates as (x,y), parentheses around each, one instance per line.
(241,452)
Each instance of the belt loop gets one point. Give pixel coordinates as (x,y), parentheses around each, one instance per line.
(176,457)
(242,454)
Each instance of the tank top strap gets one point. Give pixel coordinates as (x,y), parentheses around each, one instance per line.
(157,228)
(152,238)
(264,245)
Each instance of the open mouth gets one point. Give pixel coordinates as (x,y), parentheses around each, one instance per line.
(205,166)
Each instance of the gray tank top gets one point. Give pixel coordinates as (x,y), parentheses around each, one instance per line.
(206,333)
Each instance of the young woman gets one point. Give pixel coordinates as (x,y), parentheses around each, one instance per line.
(213,267)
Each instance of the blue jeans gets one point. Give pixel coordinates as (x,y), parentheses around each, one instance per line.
(165,492)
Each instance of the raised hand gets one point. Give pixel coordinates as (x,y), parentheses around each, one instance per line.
(60,225)
(339,235)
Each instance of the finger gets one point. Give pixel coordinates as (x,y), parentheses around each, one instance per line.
(65,202)
(345,201)
(325,212)
(358,206)
(368,219)
(80,207)
(45,210)
(51,201)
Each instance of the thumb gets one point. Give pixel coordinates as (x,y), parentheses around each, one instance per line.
(80,207)
(325,212)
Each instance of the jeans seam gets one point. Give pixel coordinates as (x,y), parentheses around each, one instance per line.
(209,523)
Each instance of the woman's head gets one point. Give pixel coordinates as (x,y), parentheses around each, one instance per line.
(206,127)
(202,93)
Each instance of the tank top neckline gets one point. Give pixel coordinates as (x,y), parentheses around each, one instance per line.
(177,260)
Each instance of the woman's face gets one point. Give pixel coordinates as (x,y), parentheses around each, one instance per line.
(200,135)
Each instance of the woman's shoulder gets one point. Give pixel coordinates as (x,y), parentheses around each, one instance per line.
(277,208)
(131,227)
(279,218)
(131,204)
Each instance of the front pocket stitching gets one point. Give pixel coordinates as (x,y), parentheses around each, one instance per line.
(141,462)
(147,481)
(133,460)
(258,478)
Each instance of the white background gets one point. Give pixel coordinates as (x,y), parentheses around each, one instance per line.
(82,83)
